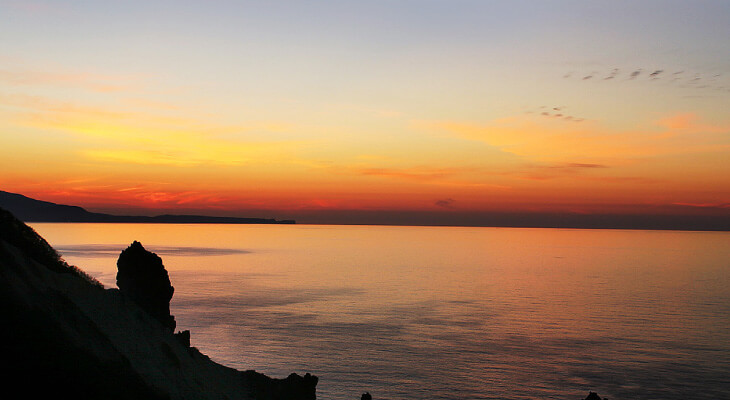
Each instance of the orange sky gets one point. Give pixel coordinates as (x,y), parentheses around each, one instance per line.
(427,111)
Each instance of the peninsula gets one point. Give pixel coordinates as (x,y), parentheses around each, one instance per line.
(32,210)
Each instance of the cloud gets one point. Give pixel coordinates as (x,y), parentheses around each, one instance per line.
(417,174)
(138,194)
(704,205)
(445,203)
(681,121)
(546,140)
(585,165)
(687,123)
(30,110)
(82,80)
(446,176)
(147,138)
(155,157)
(543,171)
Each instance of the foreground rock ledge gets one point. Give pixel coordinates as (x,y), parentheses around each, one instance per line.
(64,336)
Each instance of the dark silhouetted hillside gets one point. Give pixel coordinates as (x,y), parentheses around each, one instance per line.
(23,237)
(64,336)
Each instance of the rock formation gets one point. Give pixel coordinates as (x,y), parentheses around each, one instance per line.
(143,278)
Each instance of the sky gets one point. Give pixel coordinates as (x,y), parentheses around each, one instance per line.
(339,111)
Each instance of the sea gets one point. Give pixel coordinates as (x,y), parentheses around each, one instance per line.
(443,312)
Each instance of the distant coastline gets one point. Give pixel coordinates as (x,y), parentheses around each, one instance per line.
(32,210)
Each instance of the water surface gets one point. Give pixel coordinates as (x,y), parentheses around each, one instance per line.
(444,312)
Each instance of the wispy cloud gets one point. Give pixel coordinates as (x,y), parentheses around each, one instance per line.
(418,174)
(445,176)
(582,165)
(583,172)
(687,123)
(82,80)
(99,193)
(445,203)
(704,205)
(552,142)
(160,157)
(139,137)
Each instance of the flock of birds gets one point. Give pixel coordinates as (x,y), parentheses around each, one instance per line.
(555,112)
(682,78)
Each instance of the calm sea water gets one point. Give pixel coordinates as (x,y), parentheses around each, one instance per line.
(444,312)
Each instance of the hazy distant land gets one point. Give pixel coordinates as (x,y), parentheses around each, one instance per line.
(31,210)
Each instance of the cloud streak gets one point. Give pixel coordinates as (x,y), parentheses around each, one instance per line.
(546,142)
(445,203)
(134,137)
(87,81)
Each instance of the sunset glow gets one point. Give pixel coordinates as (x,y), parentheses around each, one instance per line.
(297,110)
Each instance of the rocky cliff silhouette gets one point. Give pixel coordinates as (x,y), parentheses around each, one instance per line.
(143,278)
(66,336)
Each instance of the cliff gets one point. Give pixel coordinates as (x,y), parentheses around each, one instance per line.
(64,335)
